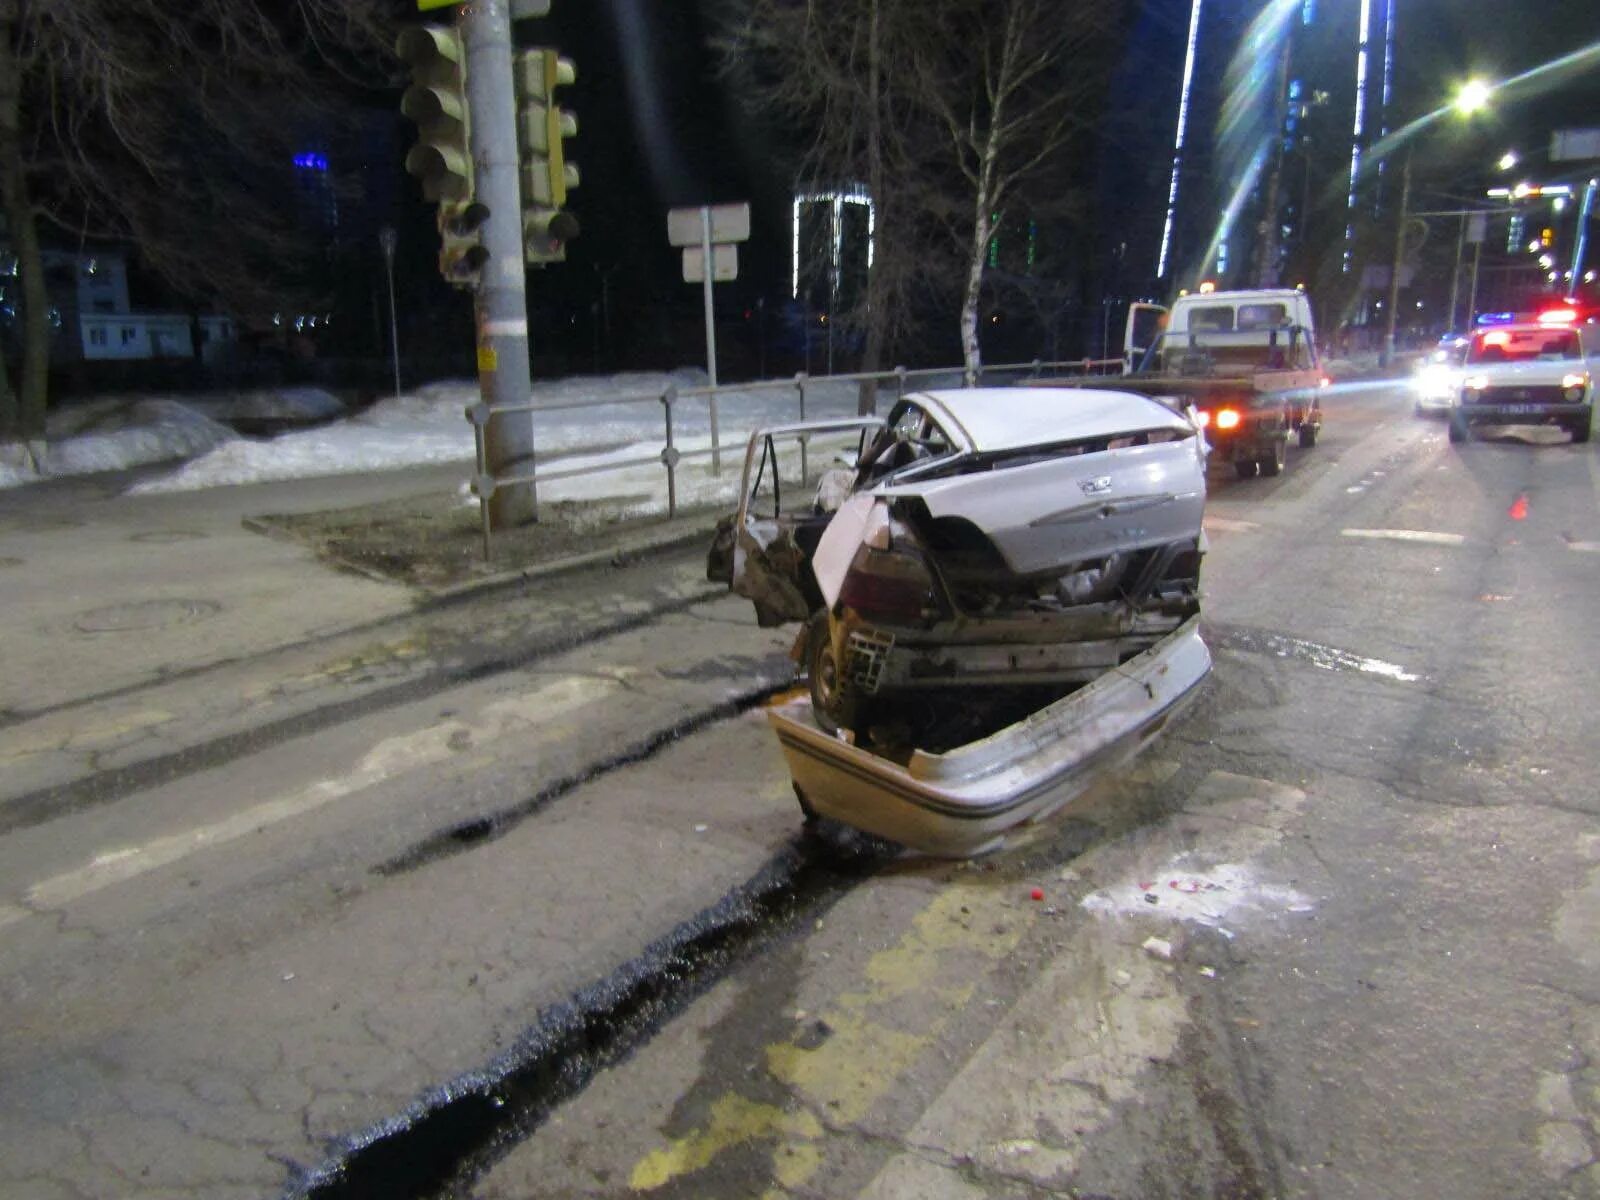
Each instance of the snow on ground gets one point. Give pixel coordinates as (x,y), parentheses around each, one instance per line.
(582,421)
(621,421)
(114,434)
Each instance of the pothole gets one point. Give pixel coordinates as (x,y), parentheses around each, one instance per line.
(145,614)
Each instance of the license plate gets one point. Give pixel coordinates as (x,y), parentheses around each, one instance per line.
(1520,408)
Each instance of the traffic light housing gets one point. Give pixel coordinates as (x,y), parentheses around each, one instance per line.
(442,157)
(542,128)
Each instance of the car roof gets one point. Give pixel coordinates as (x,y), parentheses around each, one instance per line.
(1012,417)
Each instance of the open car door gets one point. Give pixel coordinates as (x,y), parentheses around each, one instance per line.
(1144,325)
(787,497)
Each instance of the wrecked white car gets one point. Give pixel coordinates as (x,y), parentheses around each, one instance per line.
(986,537)
(984,560)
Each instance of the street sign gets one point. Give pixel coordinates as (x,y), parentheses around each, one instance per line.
(1567,144)
(1477,227)
(729,223)
(724,263)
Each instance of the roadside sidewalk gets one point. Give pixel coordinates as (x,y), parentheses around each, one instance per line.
(104,591)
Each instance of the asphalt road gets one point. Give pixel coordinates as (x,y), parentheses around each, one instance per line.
(513,900)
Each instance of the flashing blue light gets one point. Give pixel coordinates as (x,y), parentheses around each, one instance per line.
(311,162)
(1499,318)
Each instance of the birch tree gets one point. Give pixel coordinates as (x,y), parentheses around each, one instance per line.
(162,122)
(949,110)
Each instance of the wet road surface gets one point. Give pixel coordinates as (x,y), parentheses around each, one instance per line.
(523,908)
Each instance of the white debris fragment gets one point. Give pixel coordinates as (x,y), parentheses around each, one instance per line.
(701,828)
(1158,948)
(1200,894)
(1208,972)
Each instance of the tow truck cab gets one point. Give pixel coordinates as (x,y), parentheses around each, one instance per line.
(1247,362)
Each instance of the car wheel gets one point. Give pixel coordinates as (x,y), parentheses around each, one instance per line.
(1308,434)
(1272,464)
(1580,432)
(1245,468)
(1458,429)
(830,705)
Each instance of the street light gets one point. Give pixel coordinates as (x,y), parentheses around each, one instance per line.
(1473,96)
(1508,160)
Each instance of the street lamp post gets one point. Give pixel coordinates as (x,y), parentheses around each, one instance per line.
(387,241)
(1399,258)
(1471,97)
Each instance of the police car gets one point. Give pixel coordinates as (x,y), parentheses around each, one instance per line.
(1538,372)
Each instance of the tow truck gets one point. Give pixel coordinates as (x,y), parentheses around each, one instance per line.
(1245,360)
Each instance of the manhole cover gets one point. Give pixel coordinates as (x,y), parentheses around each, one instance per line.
(162,537)
(146,614)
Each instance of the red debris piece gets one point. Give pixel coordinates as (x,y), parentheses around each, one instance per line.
(1037,893)
(1519,509)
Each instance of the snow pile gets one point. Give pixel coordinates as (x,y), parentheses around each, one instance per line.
(1205,896)
(116,434)
(271,404)
(622,421)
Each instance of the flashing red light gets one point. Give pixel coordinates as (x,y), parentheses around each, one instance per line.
(1227,418)
(1558,316)
(1325,382)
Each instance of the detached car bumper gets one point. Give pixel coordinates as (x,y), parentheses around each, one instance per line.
(966,800)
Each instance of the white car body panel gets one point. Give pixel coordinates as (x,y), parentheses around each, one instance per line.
(966,801)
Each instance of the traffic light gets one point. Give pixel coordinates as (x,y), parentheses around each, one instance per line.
(542,128)
(442,157)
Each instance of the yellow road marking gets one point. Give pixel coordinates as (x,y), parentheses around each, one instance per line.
(878,1032)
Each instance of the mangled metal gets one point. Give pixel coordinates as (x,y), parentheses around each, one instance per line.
(990,540)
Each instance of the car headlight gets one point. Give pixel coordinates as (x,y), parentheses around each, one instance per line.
(1475,383)
(1574,386)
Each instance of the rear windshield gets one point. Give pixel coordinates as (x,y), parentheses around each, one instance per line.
(1218,318)
(1262,316)
(1524,345)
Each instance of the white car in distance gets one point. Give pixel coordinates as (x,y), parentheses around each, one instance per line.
(1536,373)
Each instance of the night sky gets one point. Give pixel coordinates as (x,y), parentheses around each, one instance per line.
(659,128)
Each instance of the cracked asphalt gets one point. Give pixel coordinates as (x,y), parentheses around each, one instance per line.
(511,899)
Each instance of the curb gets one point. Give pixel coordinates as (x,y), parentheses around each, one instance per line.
(621,549)
(625,547)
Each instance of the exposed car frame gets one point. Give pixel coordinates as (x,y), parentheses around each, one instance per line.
(991,537)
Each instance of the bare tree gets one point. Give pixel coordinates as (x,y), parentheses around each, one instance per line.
(154,121)
(946,109)
(830,72)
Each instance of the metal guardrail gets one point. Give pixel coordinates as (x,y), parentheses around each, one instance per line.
(485,484)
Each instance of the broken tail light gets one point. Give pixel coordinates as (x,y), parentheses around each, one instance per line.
(890,585)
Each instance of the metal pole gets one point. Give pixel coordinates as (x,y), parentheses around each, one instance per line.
(711,334)
(1472,295)
(387,240)
(669,453)
(1455,275)
(1399,257)
(1581,242)
(501,305)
